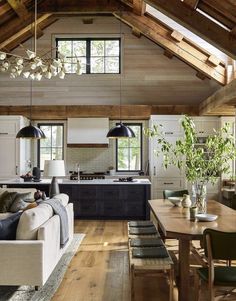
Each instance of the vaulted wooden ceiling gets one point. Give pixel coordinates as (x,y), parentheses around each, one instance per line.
(213,20)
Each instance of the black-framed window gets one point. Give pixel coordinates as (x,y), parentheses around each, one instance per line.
(53,146)
(129,151)
(96,55)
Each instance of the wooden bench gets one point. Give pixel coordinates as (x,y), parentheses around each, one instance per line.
(155,267)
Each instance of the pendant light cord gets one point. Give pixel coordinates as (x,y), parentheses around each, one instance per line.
(120,64)
(35,26)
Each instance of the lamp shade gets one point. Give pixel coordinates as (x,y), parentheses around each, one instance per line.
(54,168)
(121,131)
(30,132)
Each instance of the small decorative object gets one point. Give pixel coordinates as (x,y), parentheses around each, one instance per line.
(186,202)
(111,170)
(39,195)
(193,211)
(27,177)
(201,163)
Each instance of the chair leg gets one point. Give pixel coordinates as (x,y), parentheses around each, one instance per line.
(132,282)
(197,285)
(36,288)
(171,284)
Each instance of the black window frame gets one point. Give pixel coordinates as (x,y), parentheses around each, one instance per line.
(141,147)
(88,51)
(38,145)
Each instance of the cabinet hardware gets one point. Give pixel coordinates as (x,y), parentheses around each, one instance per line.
(16,170)
(3,133)
(154,170)
(166,183)
(169,133)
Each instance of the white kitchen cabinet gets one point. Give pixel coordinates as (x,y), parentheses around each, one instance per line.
(14,153)
(161,178)
(87,131)
(205,125)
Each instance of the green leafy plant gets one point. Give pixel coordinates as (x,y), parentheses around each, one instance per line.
(201,162)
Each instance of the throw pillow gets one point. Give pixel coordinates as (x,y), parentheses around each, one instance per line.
(8,227)
(20,202)
(6,200)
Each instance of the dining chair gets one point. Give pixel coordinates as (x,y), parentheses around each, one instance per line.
(217,246)
(172,193)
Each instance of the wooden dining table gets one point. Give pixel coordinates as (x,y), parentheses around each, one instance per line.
(175,222)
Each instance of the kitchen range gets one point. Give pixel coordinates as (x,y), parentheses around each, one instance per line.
(87,175)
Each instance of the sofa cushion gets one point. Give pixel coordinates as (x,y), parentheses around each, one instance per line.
(21,201)
(8,227)
(31,220)
(6,200)
(19,190)
(5,215)
(63,198)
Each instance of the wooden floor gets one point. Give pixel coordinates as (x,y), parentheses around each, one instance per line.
(99,270)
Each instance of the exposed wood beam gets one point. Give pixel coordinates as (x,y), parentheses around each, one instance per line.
(19,8)
(136,32)
(213,60)
(168,54)
(187,52)
(110,111)
(200,75)
(191,3)
(139,7)
(225,96)
(177,36)
(75,6)
(197,23)
(4,9)
(26,31)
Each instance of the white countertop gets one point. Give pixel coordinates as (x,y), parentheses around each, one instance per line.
(143,181)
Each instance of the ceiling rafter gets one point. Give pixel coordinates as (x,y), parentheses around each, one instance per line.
(139,7)
(191,3)
(198,23)
(187,52)
(222,102)
(19,8)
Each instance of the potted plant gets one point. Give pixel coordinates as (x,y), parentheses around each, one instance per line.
(202,163)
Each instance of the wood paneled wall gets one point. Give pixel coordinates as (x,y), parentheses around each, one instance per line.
(148,77)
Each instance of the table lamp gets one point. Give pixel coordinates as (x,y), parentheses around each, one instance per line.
(54,168)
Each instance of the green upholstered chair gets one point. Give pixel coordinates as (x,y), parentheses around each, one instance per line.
(217,246)
(171,193)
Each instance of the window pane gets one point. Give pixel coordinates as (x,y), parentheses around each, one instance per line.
(112,64)
(123,159)
(97,48)
(65,47)
(97,65)
(82,61)
(112,48)
(129,151)
(57,135)
(123,142)
(45,154)
(135,162)
(79,48)
(57,153)
(47,131)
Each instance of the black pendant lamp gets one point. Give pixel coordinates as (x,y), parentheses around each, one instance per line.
(120,130)
(30,131)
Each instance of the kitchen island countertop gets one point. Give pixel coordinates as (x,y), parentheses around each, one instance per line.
(75,182)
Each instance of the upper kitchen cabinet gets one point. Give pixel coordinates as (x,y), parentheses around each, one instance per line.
(87,132)
(171,126)
(205,125)
(14,153)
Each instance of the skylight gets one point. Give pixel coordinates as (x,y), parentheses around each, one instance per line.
(187,33)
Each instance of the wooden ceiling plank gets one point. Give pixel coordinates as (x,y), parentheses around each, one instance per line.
(226,95)
(198,23)
(139,7)
(19,8)
(23,31)
(161,35)
(191,3)
(4,9)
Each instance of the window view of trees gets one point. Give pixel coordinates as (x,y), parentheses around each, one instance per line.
(51,147)
(94,55)
(129,151)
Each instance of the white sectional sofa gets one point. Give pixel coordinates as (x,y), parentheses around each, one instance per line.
(31,258)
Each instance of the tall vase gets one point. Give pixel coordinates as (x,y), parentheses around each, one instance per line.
(199,194)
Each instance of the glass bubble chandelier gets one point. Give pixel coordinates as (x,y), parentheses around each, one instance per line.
(32,65)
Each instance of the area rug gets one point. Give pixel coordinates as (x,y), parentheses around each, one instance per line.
(28,293)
